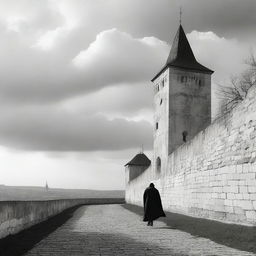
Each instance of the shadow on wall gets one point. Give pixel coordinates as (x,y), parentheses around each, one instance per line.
(235,236)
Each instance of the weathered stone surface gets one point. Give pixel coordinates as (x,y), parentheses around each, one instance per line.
(18,215)
(112,230)
(217,164)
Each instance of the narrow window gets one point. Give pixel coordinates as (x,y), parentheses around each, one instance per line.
(161,101)
(199,82)
(162,83)
(158,164)
(156,125)
(184,136)
(182,79)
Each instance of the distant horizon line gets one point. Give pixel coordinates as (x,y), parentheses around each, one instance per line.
(30,186)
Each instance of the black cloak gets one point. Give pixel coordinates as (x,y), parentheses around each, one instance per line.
(152,204)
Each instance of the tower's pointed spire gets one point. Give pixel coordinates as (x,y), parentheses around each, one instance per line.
(182,56)
(181,51)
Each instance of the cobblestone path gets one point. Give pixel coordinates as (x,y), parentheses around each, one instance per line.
(108,230)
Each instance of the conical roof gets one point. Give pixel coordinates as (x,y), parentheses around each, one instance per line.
(140,160)
(182,56)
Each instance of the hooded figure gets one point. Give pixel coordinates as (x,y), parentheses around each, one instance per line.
(152,205)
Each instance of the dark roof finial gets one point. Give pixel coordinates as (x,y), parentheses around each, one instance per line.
(180,14)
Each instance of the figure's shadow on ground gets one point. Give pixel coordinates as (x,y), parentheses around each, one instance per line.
(235,236)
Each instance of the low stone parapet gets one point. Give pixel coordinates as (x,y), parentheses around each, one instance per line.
(18,215)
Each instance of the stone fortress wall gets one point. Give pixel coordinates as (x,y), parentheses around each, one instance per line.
(214,174)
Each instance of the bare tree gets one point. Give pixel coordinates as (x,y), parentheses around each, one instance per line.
(237,91)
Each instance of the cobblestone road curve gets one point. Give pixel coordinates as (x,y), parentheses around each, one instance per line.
(109,230)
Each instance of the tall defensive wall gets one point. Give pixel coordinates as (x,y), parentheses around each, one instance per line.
(213,175)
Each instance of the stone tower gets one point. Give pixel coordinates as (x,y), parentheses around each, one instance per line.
(182,100)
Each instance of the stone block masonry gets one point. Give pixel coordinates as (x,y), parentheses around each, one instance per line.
(214,174)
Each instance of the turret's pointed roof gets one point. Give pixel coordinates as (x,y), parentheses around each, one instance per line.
(182,56)
(140,160)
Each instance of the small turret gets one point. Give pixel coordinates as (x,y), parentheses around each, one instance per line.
(136,166)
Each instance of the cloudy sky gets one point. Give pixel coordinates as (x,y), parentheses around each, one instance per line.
(75,90)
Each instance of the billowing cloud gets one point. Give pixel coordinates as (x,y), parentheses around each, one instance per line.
(30,17)
(43,130)
(122,99)
(114,57)
(99,83)
(118,57)
(229,18)
(225,56)
(101,92)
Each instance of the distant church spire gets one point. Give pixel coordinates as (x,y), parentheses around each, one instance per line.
(46,186)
